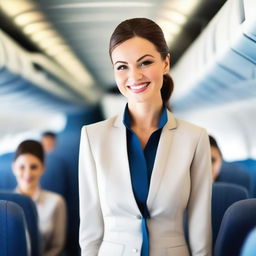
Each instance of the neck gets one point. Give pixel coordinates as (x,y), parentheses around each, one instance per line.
(28,191)
(145,115)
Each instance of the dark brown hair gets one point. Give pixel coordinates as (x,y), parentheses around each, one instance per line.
(30,147)
(149,30)
(213,143)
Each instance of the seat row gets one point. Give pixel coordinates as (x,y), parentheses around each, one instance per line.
(233,217)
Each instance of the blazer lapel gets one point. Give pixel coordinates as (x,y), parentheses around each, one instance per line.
(162,155)
(124,181)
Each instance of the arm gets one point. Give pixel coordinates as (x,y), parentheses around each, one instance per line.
(91,220)
(199,207)
(59,230)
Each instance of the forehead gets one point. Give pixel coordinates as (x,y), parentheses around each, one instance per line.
(27,158)
(134,48)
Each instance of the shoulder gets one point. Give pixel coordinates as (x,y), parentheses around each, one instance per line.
(188,132)
(54,198)
(181,125)
(99,127)
(190,127)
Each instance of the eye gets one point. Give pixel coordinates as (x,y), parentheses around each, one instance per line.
(22,167)
(146,63)
(121,67)
(34,166)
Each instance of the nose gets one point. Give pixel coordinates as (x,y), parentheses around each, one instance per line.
(28,173)
(135,75)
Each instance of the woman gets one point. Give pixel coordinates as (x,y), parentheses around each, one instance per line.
(139,171)
(28,167)
(216,157)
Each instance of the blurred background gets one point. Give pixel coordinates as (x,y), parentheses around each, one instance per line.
(55,72)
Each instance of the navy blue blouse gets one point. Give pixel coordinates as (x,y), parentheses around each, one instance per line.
(141,164)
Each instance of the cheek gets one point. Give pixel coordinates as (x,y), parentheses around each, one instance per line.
(120,82)
(18,173)
(155,75)
(119,78)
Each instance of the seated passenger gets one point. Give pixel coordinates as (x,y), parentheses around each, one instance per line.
(48,141)
(28,166)
(216,157)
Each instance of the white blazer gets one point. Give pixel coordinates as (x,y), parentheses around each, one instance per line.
(110,220)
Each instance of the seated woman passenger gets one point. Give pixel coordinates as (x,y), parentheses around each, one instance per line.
(28,167)
(216,157)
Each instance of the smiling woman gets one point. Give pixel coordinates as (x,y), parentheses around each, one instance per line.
(150,51)
(139,171)
(28,167)
(139,70)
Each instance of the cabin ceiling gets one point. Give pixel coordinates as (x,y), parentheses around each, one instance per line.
(54,58)
(75,34)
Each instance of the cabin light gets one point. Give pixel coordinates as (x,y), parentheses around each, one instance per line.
(50,42)
(184,6)
(170,30)
(14,7)
(57,49)
(169,26)
(43,35)
(102,5)
(36,27)
(169,38)
(174,16)
(28,17)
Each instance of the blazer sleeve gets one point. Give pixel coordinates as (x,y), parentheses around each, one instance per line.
(199,207)
(91,220)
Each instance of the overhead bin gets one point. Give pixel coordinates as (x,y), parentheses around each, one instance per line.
(37,77)
(219,67)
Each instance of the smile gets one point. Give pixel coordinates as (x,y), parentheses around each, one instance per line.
(138,87)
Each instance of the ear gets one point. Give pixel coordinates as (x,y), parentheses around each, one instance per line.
(167,64)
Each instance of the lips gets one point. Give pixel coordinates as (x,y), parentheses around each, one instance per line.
(138,88)
(29,180)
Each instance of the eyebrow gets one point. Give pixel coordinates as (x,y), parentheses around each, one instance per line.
(139,59)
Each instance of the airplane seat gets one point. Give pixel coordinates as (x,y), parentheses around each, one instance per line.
(224,195)
(237,222)
(31,217)
(249,246)
(55,177)
(70,155)
(7,179)
(232,174)
(248,166)
(13,230)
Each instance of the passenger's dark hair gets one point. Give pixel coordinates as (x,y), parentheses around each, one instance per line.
(214,144)
(149,30)
(30,147)
(50,134)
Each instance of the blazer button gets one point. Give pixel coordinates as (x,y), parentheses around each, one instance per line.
(135,250)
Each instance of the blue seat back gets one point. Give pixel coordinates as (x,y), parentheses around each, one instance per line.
(249,247)
(224,195)
(56,176)
(231,174)
(7,179)
(31,217)
(238,221)
(248,166)
(13,233)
